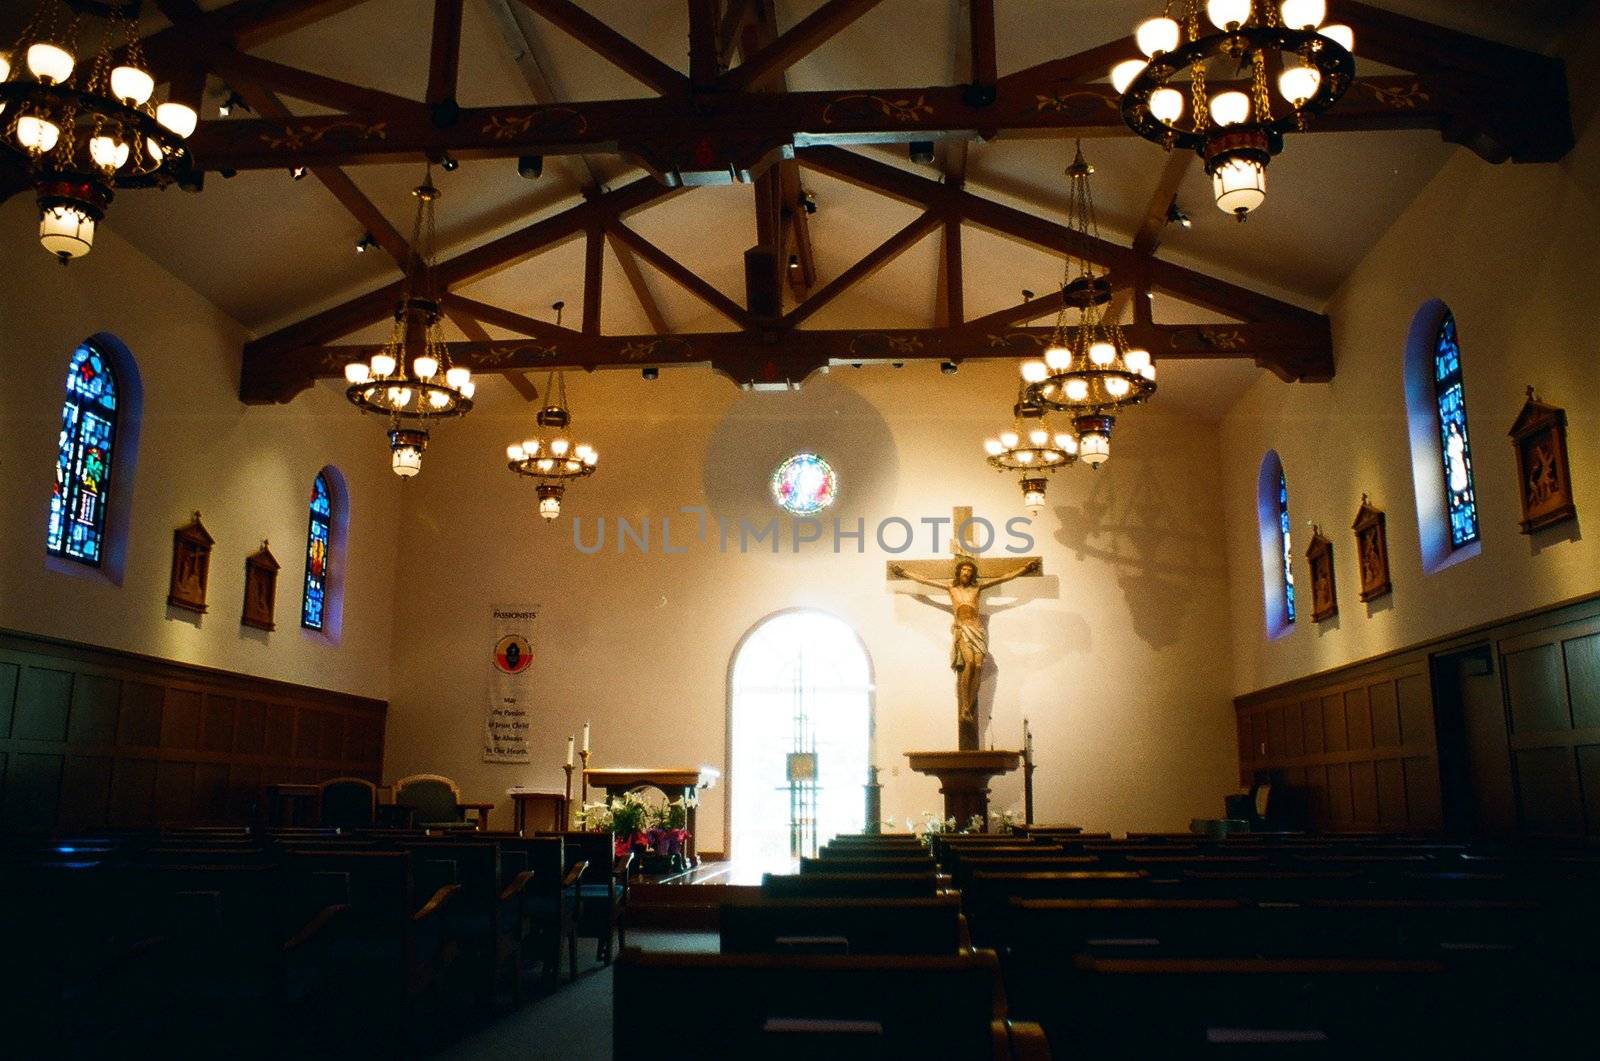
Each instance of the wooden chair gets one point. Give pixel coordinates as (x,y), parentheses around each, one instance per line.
(438,804)
(347,803)
(602,889)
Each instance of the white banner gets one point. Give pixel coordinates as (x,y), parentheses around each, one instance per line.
(507,720)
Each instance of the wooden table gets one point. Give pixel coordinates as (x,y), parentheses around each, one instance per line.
(481,824)
(673,782)
(285,803)
(544,811)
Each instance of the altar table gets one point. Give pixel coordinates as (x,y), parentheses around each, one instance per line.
(673,782)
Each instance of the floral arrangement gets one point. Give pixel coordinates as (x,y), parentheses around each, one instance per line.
(1008,820)
(637,822)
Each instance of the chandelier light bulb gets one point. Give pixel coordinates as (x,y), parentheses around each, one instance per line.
(406,461)
(382,365)
(132,85)
(992,447)
(514,452)
(1034,371)
(1057,358)
(356,373)
(1166,104)
(1077,390)
(468,389)
(1039,437)
(1117,387)
(1102,353)
(438,399)
(1298,84)
(1094,448)
(153,149)
(1123,74)
(531,446)
(1340,34)
(1240,186)
(5,66)
(1230,108)
(544,464)
(1304,14)
(1148,372)
(458,377)
(1025,456)
(37,134)
(66,230)
(50,63)
(1136,359)
(1228,14)
(590,458)
(108,153)
(1009,439)
(179,117)
(425,367)
(1156,35)
(1033,496)
(550,506)
(1066,442)
(560,446)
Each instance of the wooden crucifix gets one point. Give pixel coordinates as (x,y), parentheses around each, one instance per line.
(964,577)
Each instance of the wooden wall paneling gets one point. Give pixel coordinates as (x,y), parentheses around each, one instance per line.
(1364,792)
(1294,743)
(1385,708)
(1311,721)
(1358,719)
(1589,781)
(1535,689)
(1334,738)
(1582,658)
(90,737)
(1415,694)
(1547,792)
(1423,802)
(1391,780)
(1275,740)
(1339,806)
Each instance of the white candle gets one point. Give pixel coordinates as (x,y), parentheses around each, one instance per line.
(569,751)
(586,737)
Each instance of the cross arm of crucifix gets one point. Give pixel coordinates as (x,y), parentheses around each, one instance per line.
(1033,564)
(901,571)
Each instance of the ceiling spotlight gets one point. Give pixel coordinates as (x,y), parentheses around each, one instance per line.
(530,167)
(231,102)
(808,201)
(948,367)
(366,241)
(650,372)
(448,163)
(794,261)
(1176,216)
(297,173)
(922,152)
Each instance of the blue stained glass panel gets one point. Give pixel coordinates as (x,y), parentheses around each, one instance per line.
(1288,550)
(1461,499)
(313,609)
(83,459)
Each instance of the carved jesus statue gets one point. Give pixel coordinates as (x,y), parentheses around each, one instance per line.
(970,641)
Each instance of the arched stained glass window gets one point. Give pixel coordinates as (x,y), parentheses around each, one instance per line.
(319,555)
(83,459)
(1288,549)
(1461,500)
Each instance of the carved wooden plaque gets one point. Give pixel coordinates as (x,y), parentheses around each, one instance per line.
(1372,550)
(191,566)
(260,588)
(1544,480)
(1324,595)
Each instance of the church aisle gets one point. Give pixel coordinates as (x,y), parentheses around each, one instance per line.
(574,1023)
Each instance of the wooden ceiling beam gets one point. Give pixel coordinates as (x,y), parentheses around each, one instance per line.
(704,24)
(245,24)
(610,45)
(799,41)
(1024,312)
(1291,349)
(1158,210)
(594,276)
(680,274)
(444,53)
(871,262)
(637,283)
(981,45)
(234,66)
(476,333)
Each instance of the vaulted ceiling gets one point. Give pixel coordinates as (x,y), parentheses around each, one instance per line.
(271,251)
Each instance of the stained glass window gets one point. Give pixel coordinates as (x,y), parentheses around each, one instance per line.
(83,459)
(313,611)
(804,484)
(1461,499)
(1288,552)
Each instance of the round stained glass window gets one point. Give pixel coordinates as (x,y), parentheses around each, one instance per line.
(804,484)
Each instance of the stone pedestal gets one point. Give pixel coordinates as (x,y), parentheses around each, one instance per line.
(964,778)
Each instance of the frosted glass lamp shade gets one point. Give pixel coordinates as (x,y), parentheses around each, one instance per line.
(1117,387)
(357,372)
(992,447)
(1066,442)
(1102,354)
(514,452)
(549,507)
(50,63)
(1057,358)
(5,66)
(458,377)
(560,446)
(1297,84)
(1136,360)
(1039,437)
(66,230)
(1122,74)
(531,446)
(37,134)
(1009,439)
(153,149)
(1342,35)
(591,458)
(179,117)
(1240,186)
(1230,108)
(382,365)
(1094,449)
(468,389)
(406,461)
(1166,104)
(1148,372)
(1304,14)
(425,367)
(1156,35)
(1033,499)
(1077,390)
(1226,13)
(107,153)
(1034,371)
(132,85)
(438,399)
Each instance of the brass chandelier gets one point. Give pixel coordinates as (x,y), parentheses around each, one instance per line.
(1236,132)
(412,378)
(551,458)
(82,128)
(1088,371)
(1031,448)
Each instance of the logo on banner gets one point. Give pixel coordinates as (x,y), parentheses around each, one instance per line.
(513,654)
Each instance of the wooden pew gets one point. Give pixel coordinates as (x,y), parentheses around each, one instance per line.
(758,925)
(850,885)
(843,1007)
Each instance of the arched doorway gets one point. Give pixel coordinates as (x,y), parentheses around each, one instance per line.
(800,685)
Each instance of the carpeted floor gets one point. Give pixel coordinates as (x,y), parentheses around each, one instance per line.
(574,1023)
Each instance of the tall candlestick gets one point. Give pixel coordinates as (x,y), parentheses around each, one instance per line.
(586,736)
(569,751)
(584,778)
